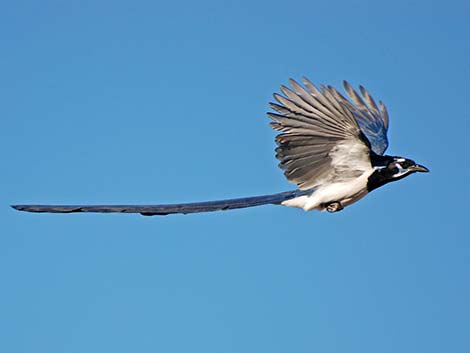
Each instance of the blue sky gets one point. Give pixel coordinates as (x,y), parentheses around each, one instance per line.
(159,102)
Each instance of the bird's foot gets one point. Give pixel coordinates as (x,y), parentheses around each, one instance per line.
(334,206)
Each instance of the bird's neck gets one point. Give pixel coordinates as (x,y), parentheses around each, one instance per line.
(382,174)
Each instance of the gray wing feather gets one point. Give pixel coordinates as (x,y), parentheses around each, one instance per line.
(312,122)
(153,210)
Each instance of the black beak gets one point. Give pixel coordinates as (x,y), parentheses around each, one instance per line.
(418,168)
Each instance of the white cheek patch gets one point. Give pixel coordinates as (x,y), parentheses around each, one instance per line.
(401,170)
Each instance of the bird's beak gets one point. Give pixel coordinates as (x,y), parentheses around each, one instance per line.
(419,168)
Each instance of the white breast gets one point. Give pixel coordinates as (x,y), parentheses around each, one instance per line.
(345,192)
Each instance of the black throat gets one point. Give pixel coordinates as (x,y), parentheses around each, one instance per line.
(383,175)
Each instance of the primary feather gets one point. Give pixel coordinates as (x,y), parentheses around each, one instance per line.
(313,124)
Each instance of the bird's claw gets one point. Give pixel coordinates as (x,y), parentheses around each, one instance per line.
(334,207)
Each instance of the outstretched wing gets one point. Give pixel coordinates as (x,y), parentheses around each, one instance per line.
(161,210)
(372,119)
(321,139)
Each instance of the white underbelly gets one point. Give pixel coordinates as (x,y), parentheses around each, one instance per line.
(344,192)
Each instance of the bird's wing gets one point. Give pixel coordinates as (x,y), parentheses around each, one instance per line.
(372,119)
(161,210)
(321,138)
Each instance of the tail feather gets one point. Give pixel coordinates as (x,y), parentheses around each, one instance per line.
(161,210)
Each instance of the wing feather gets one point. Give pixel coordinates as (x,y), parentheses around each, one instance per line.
(373,123)
(314,122)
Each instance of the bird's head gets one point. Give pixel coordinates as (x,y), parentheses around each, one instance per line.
(388,169)
(400,167)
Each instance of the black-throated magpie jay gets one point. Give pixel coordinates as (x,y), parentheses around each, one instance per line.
(330,146)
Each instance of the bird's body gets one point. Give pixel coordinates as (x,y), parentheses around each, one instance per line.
(345,182)
(344,193)
(330,146)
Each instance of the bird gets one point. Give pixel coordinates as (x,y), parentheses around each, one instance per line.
(330,146)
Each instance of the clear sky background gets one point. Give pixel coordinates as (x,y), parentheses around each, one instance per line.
(160,102)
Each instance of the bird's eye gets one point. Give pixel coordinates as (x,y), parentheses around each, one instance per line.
(407,163)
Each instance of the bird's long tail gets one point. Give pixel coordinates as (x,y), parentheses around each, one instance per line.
(161,210)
